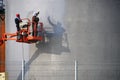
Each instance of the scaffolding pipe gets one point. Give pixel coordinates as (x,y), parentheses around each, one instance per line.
(76,70)
(23,64)
(22,69)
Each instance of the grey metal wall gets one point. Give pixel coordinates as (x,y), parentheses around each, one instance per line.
(88,31)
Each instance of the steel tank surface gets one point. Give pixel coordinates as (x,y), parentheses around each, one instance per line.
(82,30)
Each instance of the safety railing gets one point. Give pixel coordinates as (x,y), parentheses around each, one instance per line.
(62,70)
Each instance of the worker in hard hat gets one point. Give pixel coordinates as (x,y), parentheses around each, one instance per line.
(35,20)
(17,22)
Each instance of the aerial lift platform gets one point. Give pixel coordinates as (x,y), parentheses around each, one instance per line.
(25,34)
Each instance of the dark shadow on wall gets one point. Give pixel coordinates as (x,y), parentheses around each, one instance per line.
(57,42)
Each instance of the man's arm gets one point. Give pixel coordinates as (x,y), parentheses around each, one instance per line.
(50,21)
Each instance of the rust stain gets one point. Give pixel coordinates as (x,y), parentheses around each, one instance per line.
(2,48)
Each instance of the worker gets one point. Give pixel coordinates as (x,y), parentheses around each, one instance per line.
(17,22)
(35,20)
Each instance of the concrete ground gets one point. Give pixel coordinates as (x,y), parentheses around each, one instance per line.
(84,30)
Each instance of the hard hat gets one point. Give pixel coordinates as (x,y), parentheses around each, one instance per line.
(17,15)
